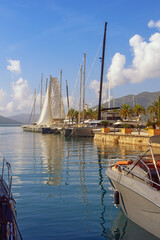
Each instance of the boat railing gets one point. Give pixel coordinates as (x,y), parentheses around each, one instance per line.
(6,175)
(139,176)
(117,158)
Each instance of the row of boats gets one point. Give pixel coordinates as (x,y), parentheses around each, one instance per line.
(52,117)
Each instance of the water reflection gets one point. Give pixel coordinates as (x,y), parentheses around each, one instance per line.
(51,155)
(112,149)
(103,193)
(58,180)
(82,165)
(123,229)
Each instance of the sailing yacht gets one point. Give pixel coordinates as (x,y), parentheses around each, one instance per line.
(53,107)
(136,183)
(53,113)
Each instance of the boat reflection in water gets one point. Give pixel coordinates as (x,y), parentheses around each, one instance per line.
(124,229)
(52,152)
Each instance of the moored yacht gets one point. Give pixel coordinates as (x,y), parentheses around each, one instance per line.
(136,183)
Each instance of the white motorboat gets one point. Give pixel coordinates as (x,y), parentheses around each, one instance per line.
(136,182)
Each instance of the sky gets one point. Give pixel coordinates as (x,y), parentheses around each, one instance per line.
(45,36)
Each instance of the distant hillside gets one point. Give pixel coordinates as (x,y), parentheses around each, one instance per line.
(5,120)
(144,98)
(23,118)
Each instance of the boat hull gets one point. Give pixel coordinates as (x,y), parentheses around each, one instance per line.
(43,130)
(78,132)
(139,202)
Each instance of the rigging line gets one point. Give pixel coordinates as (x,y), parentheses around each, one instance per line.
(75,86)
(30,106)
(94,61)
(25,119)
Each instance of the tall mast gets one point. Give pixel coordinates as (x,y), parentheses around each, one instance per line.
(102,67)
(46,84)
(79,116)
(109,94)
(84,69)
(60,94)
(41,92)
(67,95)
(34,108)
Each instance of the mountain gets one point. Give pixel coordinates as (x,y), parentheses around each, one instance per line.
(5,120)
(145,99)
(23,118)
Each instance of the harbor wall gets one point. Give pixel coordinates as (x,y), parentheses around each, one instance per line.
(123,139)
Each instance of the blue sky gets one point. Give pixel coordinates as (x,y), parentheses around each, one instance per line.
(44,36)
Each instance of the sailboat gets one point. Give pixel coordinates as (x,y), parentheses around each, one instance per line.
(88,130)
(53,113)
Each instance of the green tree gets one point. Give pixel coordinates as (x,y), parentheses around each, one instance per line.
(125,111)
(70,114)
(75,114)
(138,110)
(153,109)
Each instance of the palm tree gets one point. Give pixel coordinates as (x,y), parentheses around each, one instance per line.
(89,113)
(125,111)
(138,110)
(153,109)
(95,114)
(75,114)
(70,114)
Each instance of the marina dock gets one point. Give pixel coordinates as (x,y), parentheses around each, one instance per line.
(119,138)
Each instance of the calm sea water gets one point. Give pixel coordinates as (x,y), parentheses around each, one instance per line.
(59,190)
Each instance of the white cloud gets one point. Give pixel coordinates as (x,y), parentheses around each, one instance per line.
(95,85)
(153,24)
(73,103)
(20,101)
(10,107)
(14,66)
(3,95)
(22,95)
(145,63)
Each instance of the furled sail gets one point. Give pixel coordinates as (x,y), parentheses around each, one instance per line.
(53,107)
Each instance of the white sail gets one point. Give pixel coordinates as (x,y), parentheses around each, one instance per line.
(53,108)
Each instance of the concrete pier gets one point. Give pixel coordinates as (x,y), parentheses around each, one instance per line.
(123,138)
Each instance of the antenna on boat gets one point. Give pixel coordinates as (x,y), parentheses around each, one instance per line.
(102,67)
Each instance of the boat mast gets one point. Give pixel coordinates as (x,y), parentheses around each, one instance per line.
(60,94)
(84,70)
(34,108)
(79,116)
(41,93)
(102,67)
(67,95)
(109,94)
(46,84)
